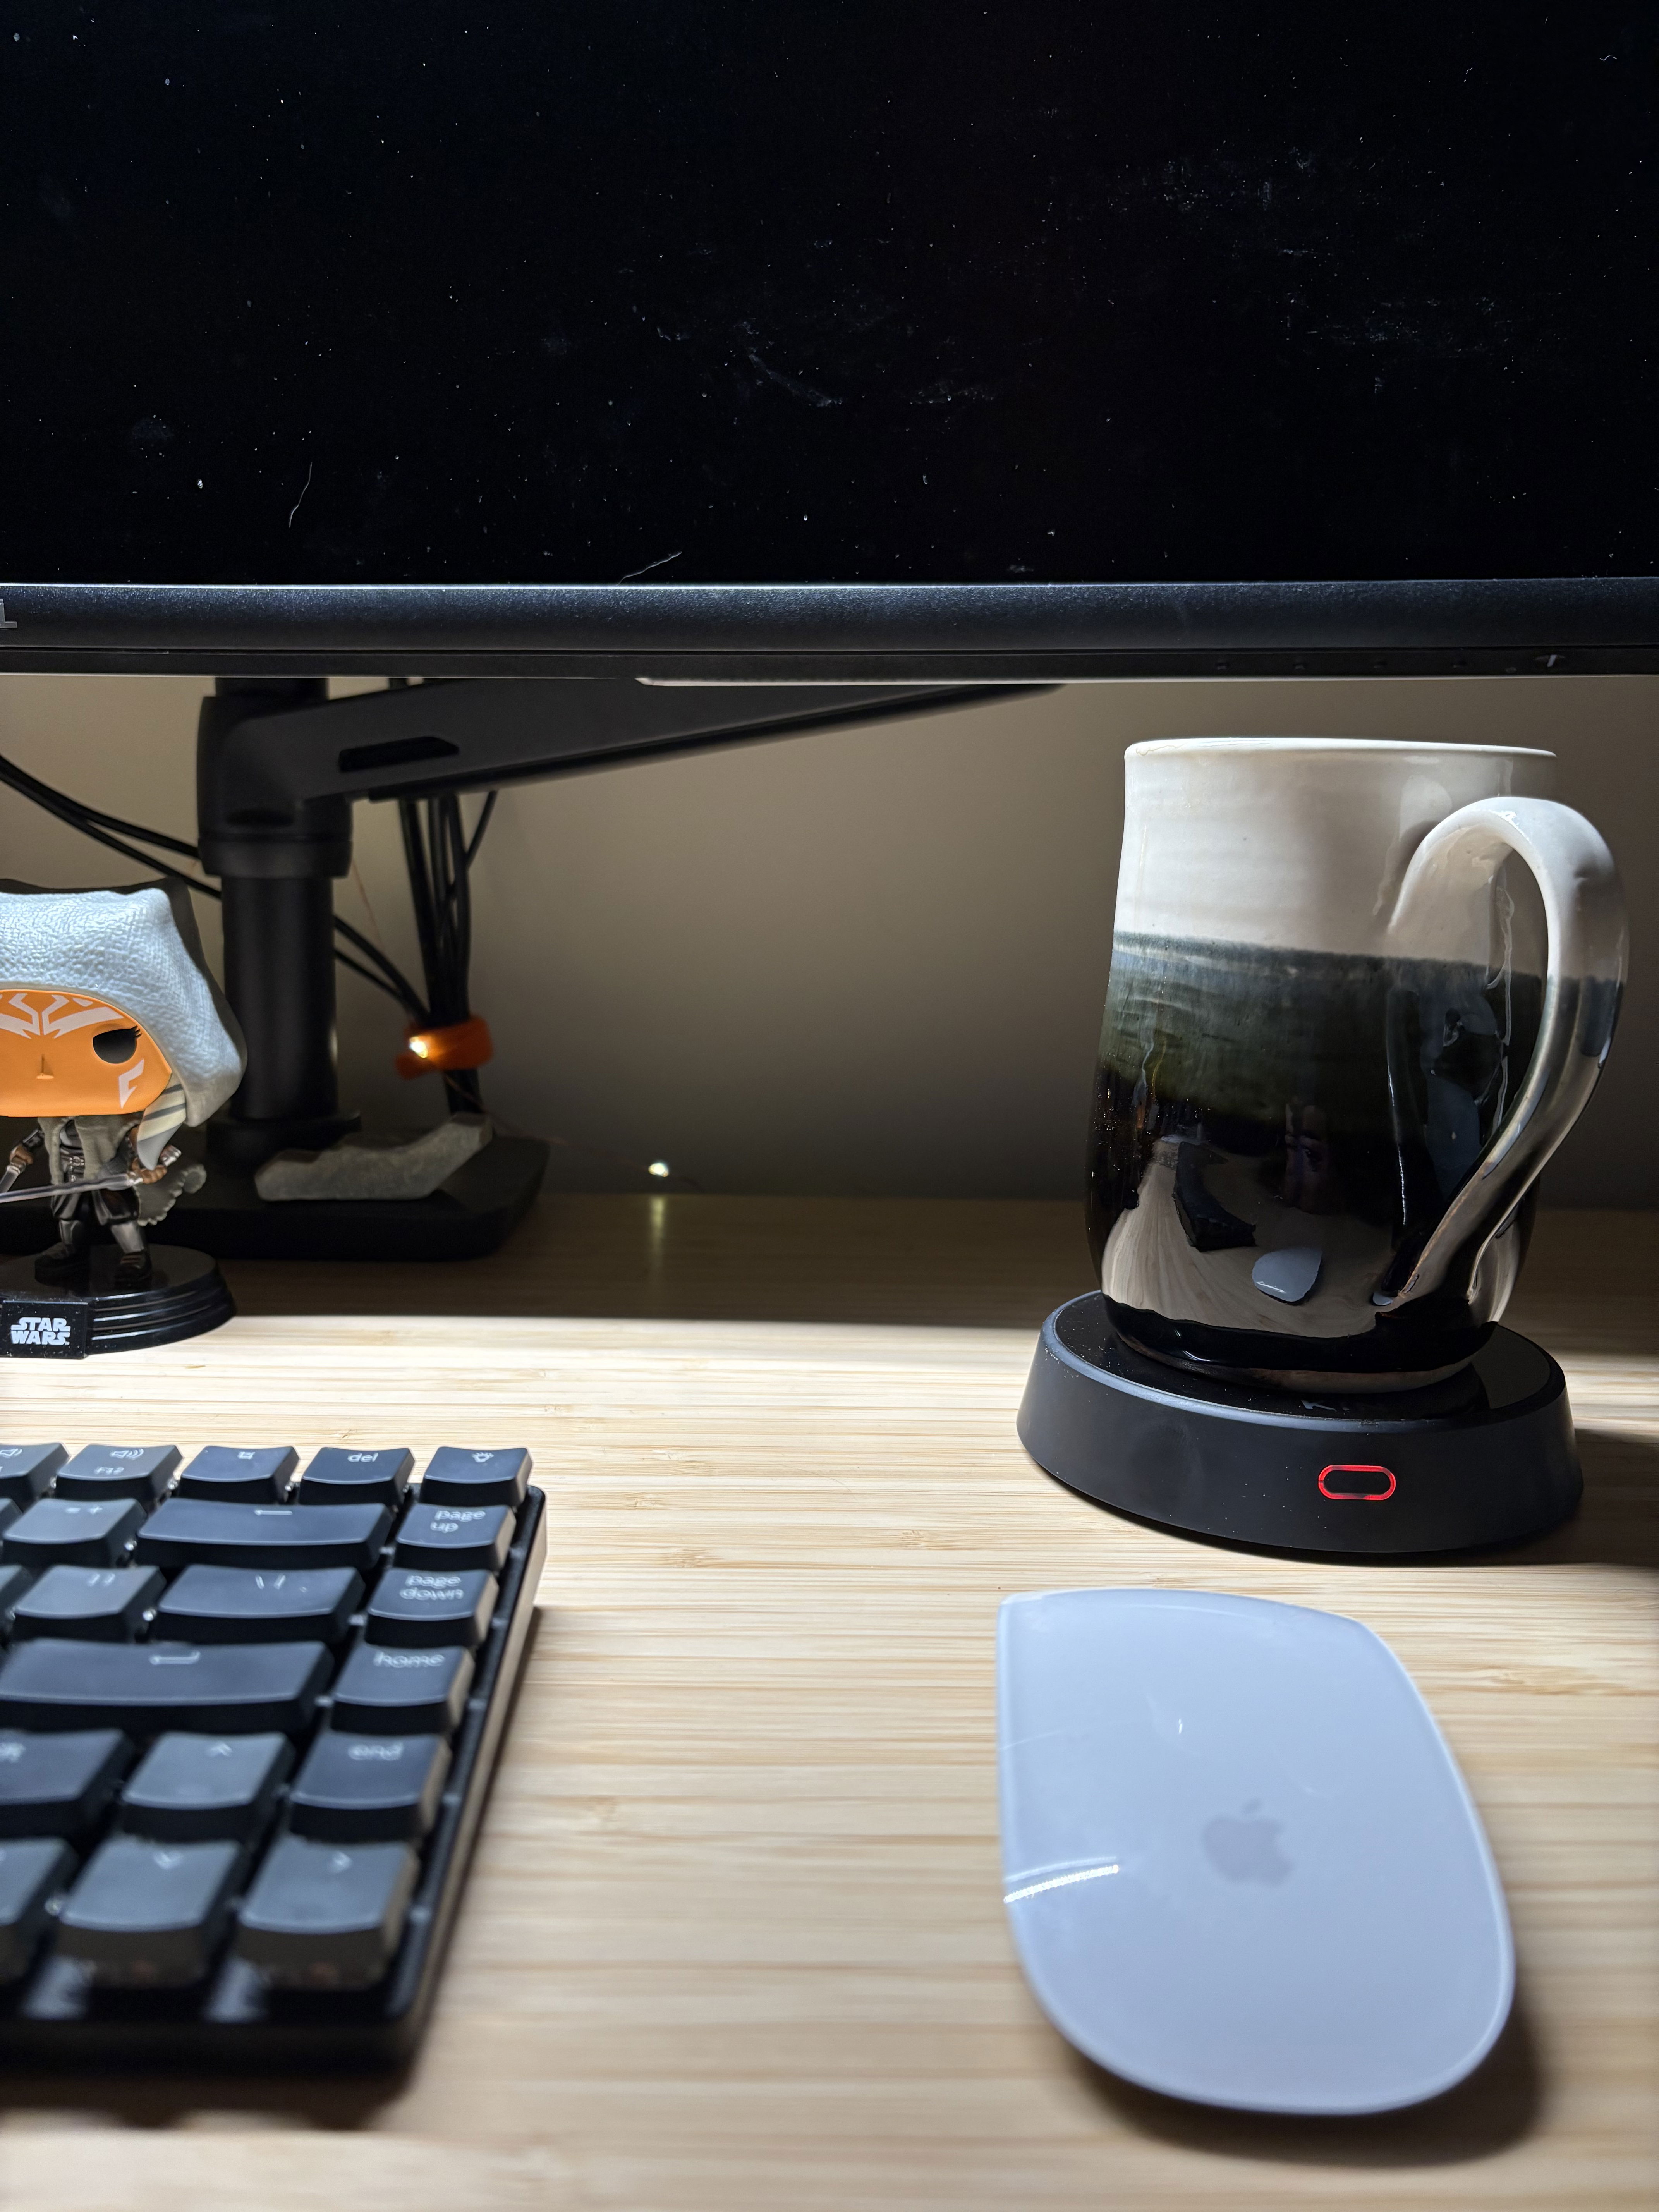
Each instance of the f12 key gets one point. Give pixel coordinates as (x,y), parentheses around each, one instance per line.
(140,1471)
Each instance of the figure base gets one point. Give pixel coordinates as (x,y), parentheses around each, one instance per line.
(1484,1459)
(185,1296)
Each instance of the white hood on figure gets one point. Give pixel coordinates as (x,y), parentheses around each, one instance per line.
(140,950)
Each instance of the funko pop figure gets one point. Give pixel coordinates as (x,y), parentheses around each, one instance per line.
(113,1037)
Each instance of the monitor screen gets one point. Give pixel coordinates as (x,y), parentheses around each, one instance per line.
(857,293)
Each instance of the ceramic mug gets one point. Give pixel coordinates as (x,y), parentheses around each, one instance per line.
(1329,1075)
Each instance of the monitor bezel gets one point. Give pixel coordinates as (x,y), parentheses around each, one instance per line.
(825,633)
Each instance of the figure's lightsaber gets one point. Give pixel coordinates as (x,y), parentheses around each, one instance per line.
(8,1197)
(23,1158)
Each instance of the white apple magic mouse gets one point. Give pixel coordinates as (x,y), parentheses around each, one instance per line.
(1239,1862)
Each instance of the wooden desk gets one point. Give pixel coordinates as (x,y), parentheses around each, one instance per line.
(733,1938)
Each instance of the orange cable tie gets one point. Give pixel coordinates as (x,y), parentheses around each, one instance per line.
(440,1051)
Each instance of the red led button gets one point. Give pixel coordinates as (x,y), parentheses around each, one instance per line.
(1374,1496)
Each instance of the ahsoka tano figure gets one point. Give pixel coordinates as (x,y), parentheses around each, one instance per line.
(112,1034)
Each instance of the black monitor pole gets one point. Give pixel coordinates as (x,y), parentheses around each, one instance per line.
(275,862)
(279,766)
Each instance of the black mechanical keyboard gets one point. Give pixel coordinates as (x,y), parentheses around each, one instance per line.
(248,1717)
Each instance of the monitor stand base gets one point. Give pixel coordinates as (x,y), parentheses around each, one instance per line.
(472,1214)
(1487,1458)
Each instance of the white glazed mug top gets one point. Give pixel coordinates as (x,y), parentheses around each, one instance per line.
(1302,843)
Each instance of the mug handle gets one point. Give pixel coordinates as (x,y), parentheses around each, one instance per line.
(1584,976)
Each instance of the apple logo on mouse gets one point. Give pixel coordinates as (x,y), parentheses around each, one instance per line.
(1245,1849)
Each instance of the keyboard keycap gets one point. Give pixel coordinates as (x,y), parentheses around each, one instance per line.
(338,1477)
(418,1605)
(140,1471)
(381,1692)
(369,1789)
(145,1689)
(14,1583)
(189,1788)
(59,1785)
(188,1531)
(239,1478)
(151,1915)
(25,1470)
(31,1875)
(260,1605)
(108,1603)
(476,1478)
(72,1532)
(327,1916)
(455,1536)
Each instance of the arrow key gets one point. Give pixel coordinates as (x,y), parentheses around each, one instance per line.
(147,1915)
(197,1789)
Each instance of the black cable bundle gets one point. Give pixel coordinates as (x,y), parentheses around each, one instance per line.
(439,858)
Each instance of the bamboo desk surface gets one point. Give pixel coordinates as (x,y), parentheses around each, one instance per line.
(733,1936)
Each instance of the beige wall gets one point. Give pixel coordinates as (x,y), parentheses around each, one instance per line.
(864,962)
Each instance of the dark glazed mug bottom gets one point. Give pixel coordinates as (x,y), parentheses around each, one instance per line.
(1259,1107)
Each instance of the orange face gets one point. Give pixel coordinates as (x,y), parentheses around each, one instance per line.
(61,1055)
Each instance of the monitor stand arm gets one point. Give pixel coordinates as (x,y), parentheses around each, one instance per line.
(279,765)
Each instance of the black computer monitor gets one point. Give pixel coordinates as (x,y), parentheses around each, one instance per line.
(848,338)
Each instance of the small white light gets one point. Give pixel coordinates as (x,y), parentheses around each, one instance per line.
(659,1168)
